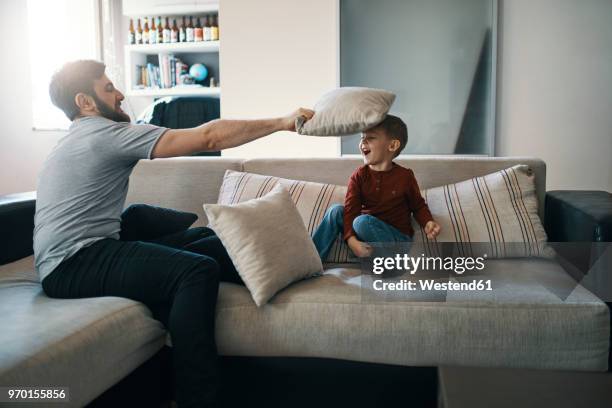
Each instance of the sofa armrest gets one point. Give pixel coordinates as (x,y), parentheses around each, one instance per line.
(581,216)
(17,220)
(578,216)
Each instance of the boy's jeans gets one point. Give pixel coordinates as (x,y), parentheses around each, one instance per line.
(367,227)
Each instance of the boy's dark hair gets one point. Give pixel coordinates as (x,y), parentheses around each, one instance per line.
(73,78)
(395,128)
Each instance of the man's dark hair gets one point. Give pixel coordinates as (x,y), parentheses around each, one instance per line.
(73,78)
(395,128)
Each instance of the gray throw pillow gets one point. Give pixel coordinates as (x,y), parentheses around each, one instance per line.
(267,241)
(346,111)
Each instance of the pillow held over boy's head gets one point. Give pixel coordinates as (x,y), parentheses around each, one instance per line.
(346,111)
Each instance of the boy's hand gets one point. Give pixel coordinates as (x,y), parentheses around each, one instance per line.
(289,120)
(359,248)
(432,229)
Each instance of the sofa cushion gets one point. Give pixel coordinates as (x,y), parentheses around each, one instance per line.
(535,317)
(496,214)
(267,242)
(346,111)
(311,199)
(88,344)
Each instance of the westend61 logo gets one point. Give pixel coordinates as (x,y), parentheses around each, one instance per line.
(412,264)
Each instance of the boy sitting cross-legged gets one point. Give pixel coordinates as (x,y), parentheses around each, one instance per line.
(380,198)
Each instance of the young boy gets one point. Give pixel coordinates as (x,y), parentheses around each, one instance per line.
(381,196)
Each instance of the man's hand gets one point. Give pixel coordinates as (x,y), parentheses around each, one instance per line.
(289,120)
(359,248)
(432,229)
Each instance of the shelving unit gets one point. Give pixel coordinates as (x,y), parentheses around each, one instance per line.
(206,52)
(177,48)
(142,8)
(177,90)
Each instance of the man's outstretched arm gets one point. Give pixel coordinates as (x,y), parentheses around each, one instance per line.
(222,134)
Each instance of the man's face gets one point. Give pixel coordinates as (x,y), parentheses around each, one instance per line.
(108,100)
(375,147)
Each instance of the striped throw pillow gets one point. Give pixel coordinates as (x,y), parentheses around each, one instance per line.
(311,199)
(496,214)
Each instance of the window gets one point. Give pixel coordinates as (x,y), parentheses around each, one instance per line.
(59,31)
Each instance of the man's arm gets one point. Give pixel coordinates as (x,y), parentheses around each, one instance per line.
(222,134)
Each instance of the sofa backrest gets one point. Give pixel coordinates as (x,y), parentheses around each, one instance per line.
(186,183)
(181,183)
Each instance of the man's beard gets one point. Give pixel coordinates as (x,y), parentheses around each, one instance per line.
(110,113)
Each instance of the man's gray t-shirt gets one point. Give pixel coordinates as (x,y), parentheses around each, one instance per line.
(83,185)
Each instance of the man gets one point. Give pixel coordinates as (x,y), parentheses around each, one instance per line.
(81,193)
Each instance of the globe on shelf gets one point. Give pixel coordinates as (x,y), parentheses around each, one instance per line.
(198,71)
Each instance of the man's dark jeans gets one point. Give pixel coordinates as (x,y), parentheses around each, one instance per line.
(177,277)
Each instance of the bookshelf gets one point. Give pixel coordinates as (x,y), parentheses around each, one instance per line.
(142,8)
(175,91)
(205,52)
(186,47)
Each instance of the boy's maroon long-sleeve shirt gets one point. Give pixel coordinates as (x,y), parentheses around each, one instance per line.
(391,196)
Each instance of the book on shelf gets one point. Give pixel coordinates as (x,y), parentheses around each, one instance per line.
(167,74)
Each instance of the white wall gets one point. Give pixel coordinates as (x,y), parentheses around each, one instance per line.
(555,88)
(22,151)
(277,55)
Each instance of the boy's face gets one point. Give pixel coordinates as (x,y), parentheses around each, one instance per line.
(376,147)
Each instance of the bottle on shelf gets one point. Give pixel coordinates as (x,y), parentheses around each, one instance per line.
(139,33)
(207,29)
(182,31)
(159,30)
(131,33)
(153,32)
(145,32)
(166,33)
(198,33)
(189,30)
(174,32)
(214,29)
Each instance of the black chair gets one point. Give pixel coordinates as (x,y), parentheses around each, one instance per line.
(181,112)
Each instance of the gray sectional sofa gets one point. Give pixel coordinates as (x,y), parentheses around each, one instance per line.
(90,344)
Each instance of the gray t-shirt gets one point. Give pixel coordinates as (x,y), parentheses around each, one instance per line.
(83,185)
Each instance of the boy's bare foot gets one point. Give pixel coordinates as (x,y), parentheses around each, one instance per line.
(359,248)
